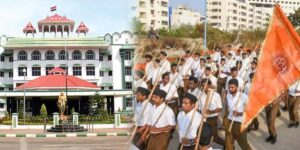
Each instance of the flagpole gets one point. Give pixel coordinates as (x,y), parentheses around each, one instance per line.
(205,24)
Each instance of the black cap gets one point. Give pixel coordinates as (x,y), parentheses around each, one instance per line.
(206,134)
(191,97)
(160,93)
(143,91)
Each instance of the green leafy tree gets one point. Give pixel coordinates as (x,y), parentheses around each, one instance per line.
(295,18)
(97,106)
(43,111)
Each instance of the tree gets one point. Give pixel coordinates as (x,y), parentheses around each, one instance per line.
(138,27)
(97,106)
(295,18)
(43,111)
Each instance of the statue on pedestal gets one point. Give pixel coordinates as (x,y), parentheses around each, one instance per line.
(62,104)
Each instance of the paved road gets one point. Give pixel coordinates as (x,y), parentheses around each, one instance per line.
(84,143)
(288,139)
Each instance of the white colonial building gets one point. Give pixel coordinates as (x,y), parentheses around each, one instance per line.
(181,15)
(100,65)
(152,13)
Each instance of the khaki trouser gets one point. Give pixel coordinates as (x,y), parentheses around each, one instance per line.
(271,114)
(293,108)
(158,141)
(213,122)
(236,134)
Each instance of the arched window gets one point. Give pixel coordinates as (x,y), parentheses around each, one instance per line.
(35,55)
(61,55)
(22,55)
(90,55)
(76,55)
(50,55)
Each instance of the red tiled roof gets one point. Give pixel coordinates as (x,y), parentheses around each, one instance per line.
(56,19)
(56,81)
(57,70)
(82,28)
(29,27)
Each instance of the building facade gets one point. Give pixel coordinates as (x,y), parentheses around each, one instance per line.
(152,13)
(105,61)
(231,15)
(182,15)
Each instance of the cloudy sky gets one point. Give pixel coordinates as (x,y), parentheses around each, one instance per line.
(101,16)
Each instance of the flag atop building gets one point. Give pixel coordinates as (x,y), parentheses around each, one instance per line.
(278,65)
(53,8)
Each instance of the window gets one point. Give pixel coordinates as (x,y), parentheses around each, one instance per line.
(1,105)
(11,58)
(90,55)
(11,74)
(128,85)
(129,102)
(10,88)
(36,71)
(102,88)
(109,57)
(110,87)
(110,73)
(76,71)
(127,55)
(62,55)
(48,69)
(101,73)
(90,71)
(100,57)
(76,55)
(22,55)
(128,71)
(65,68)
(1,88)
(35,55)
(1,74)
(50,55)
(20,71)
(2,58)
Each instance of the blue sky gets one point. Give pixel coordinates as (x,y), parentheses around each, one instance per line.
(192,4)
(100,16)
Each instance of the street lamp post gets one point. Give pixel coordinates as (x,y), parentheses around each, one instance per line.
(24,73)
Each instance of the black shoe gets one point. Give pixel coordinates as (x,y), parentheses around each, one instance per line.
(269,139)
(297,124)
(274,140)
(291,125)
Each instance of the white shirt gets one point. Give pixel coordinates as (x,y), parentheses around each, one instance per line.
(196,64)
(166,66)
(148,68)
(184,120)
(216,56)
(139,118)
(186,69)
(167,117)
(196,92)
(213,66)
(156,73)
(178,81)
(215,103)
(213,80)
(247,88)
(234,106)
(139,83)
(199,71)
(225,69)
(293,88)
(240,81)
(230,62)
(170,89)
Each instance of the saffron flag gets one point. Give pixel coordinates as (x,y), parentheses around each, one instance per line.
(278,65)
(53,8)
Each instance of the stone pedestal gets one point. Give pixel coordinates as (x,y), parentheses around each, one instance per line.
(55,119)
(14,121)
(75,118)
(117,120)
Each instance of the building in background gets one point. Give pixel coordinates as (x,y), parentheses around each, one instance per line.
(101,64)
(152,13)
(231,15)
(182,15)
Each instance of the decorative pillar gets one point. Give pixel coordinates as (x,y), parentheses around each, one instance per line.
(14,121)
(117,119)
(43,30)
(75,118)
(55,119)
(55,30)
